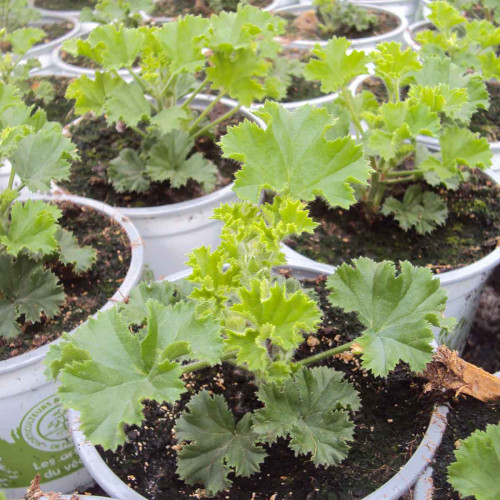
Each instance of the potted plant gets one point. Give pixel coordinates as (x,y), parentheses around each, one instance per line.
(57,28)
(49,283)
(365,26)
(471,45)
(66,7)
(240,313)
(408,181)
(165,171)
(484,9)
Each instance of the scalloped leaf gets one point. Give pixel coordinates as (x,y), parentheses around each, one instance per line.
(128,104)
(398,312)
(71,253)
(217,444)
(310,408)
(292,157)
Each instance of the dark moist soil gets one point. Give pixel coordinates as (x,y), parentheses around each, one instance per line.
(467,415)
(485,122)
(55,30)
(305,27)
(80,61)
(389,427)
(174,8)
(64,4)
(58,109)
(98,144)
(471,231)
(85,293)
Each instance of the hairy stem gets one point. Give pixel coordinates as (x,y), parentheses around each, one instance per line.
(375,192)
(205,113)
(325,354)
(225,116)
(350,106)
(199,365)
(195,92)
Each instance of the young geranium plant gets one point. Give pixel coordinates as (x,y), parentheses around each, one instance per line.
(16,14)
(130,13)
(470,44)
(484,9)
(233,52)
(240,312)
(440,100)
(30,235)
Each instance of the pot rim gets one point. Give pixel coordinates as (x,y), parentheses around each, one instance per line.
(410,30)
(316,101)
(189,205)
(34,51)
(356,43)
(399,484)
(132,276)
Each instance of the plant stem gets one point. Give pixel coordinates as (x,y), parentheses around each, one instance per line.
(403,172)
(11,177)
(199,365)
(325,354)
(138,131)
(348,100)
(225,116)
(397,180)
(205,112)
(195,92)
(376,192)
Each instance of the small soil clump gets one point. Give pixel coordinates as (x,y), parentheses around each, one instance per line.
(85,293)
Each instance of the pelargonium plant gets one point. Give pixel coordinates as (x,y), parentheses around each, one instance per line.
(233,53)
(16,14)
(30,234)
(484,9)
(130,13)
(239,311)
(440,100)
(469,44)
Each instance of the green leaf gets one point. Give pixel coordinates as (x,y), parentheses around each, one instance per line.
(127,103)
(170,159)
(90,95)
(29,289)
(393,63)
(309,408)
(107,372)
(23,39)
(179,41)
(490,65)
(135,310)
(444,16)
(292,157)
(397,311)
(169,119)
(217,445)
(42,157)
(71,253)
(421,210)
(477,464)
(33,227)
(460,146)
(127,172)
(335,68)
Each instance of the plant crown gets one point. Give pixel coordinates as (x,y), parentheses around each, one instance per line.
(440,100)
(240,311)
(336,16)
(477,464)
(234,53)
(469,44)
(30,235)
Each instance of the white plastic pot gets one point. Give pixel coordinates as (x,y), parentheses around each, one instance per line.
(47,48)
(398,485)
(366,44)
(279,4)
(425,8)
(170,232)
(409,34)
(317,101)
(33,435)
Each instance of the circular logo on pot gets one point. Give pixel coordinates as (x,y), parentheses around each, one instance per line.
(44,426)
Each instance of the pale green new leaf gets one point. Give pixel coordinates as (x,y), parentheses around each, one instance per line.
(180,39)
(71,253)
(310,408)
(292,157)
(393,63)
(42,157)
(128,104)
(33,228)
(335,68)
(111,371)
(127,172)
(421,210)
(444,16)
(217,444)
(29,288)
(398,312)
(475,472)
(170,159)
(490,65)
(23,39)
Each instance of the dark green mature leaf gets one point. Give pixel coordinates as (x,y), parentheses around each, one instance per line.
(475,472)
(421,210)
(42,157)
(170,159)
(27,289)
(397,311)
(127,103)
(33,228)
(291,156)
(217,445)
(309,408)
(127,172)
(71,253)
(169,119)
